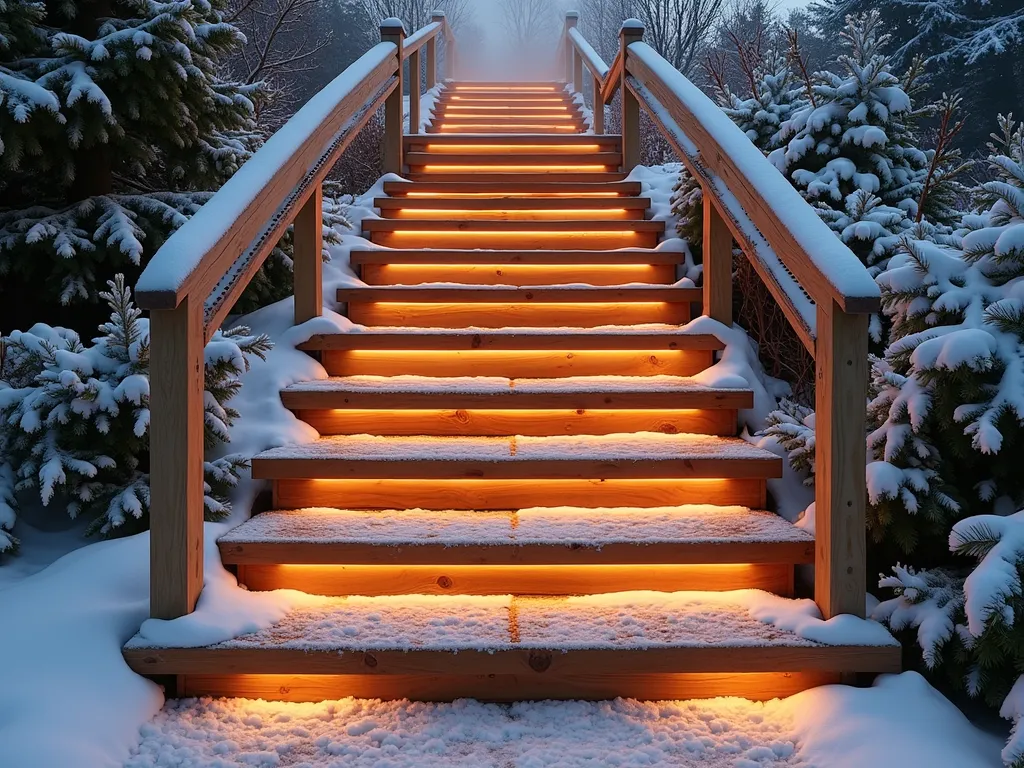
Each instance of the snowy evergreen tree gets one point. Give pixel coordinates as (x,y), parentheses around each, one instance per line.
(114,127)
(854,137)
(74,419)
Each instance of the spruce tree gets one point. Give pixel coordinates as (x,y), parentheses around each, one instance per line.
(115,128)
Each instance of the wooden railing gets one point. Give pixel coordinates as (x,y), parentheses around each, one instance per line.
(193,281)
(824,291)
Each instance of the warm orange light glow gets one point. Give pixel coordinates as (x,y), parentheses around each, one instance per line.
(503,101)
(505,168)
(512,148)
(526,214)
(461,195)
(505,88)
(506,107)
(517,234)
(449,127)
(510,117)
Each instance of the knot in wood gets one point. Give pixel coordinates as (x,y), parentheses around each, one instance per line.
(369,660)
(444,582)
(540,661)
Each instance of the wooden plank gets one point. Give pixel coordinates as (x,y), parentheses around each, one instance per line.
(549,579)
(455,421)
(775,232)
(542,211)
(542,555)
(619,295)
(516,274)
(608,142)
(457,314)
(526,177)
(579,227)
(436,256)
(394,116)
(521,469)
(599,108)
(508,494)
(840,572)
(708,399)
(432,62)
(530,239)
(552,204)
(176,459)
(494,162)
(717,265)
(534,129)
(455,110)
(595,686)
(630,119)
(516,364)
(307,258)
(538,189)
(738,658)
(613,80)
(482,341)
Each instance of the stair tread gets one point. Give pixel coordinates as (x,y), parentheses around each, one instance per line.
(484,293)
(493,385)
(623,621)
(559,526)
(484,256)
(629,447)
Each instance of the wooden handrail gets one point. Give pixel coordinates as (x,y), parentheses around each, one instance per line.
(824,291)
(195,278)
(591,59)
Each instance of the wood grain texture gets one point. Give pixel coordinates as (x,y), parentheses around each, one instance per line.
(415,84)
(483,341)
(513,186)
(578,258)
(514,274)
(556,294)
(507,315)
(840,455)
(394,116)
(176,459)
(717,245)
(548,579)
(512,494)
(630,118)
(552,204)
(307,258)
(607,142)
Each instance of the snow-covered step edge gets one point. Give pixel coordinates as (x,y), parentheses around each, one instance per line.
(698,534)
(741,620)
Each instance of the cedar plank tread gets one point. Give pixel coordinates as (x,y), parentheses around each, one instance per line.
(529,662)
(569,140)
(486,161)
(522,340)
(527,177)
(480,256)
(298,399)
(512,203)
(547,186)
(554,225)
(541,294)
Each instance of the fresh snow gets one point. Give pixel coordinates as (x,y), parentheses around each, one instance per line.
(578,526)
(632,446)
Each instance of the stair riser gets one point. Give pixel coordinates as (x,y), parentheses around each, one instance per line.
(593,686)
(479,315)
(517,364)
(543,212)
(524,422)
(374,580)
(485,274)
(516,240)
(490,179)
(515,494)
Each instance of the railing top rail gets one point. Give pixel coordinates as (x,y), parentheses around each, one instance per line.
(820,261)
(198,254)
(421,37)
(591,59)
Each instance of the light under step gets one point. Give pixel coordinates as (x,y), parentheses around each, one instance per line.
(513,187)
(533,536)
(643,455)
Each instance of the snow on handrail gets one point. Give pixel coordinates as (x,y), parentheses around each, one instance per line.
(590,57)
(197,255)
(419,38)
(823,265)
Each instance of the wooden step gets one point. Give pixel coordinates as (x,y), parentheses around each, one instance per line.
(506,294)
(412,405)
(509,258)
(517,274)
(494,163)
(607,142)
(598,178)
(515,353)
(533,128)
(520,235)
(513,207)
(644,455)
(518,109)
(690,534)
(554,647)
(506,187)
(510,97)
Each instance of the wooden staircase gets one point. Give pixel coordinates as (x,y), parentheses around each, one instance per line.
(520,490)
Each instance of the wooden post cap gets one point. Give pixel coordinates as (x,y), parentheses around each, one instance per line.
(634,25)
(391,27)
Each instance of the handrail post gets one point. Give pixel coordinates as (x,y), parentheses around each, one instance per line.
(572,18)
(841,359)
(598,106)
(415,79)
(307,257)
(392,31)
(176,459)
(717,263)
(632,32)
(435,17)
